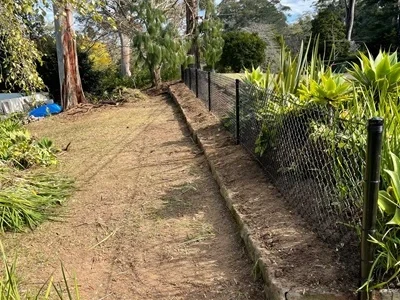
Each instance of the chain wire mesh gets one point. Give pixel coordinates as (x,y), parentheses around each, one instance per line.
(223,100)
(202,80)
(314,156)
(192,77)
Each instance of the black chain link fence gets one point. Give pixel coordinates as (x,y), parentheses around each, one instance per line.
(223,100)
(312,155)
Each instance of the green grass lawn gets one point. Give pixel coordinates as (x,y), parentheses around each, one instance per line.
(234,75)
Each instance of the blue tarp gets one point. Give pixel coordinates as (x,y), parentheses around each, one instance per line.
(45,110)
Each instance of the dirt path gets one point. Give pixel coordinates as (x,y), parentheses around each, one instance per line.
(145,188)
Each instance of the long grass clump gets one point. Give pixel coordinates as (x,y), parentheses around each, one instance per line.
(28,198)
(10,288)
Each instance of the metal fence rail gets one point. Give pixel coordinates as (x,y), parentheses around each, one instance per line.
(313,156)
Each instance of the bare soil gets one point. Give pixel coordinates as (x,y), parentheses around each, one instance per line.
(147,221)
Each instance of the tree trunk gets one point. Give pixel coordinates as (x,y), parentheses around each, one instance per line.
(155,76)
(125,55)
(191,14)
(350,10)
(67,57)
(191,27)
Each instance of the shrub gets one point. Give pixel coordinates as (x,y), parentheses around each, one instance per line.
(19,149)
(27,198)
(329,26)
(241,50)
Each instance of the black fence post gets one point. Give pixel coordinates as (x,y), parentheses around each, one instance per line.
(182,73)
(197,83)
(190,78)
(209,91)
(371,189)
(237,112)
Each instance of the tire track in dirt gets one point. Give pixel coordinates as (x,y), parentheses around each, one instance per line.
(98,163)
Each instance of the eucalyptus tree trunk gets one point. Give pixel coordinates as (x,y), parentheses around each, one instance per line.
(125,55)
(350,10)
(67,58)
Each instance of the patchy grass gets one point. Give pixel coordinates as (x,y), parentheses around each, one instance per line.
(201,231)
(234,75)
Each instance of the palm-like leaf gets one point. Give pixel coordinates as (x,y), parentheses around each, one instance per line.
(379,75)
(389,201)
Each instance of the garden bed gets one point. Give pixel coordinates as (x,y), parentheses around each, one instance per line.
(295,264)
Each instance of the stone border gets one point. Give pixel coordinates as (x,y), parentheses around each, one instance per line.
(275,289)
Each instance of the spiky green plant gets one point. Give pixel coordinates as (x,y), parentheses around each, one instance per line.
(386,264)
(10,287)
(258,78)
(379,75)
(330,89)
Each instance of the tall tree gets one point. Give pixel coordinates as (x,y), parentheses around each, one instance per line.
(328,25)
(350,6)
(115,22)
(68,69)
(212,40)
(157,42)
(122,22)
(242,13)
(125,54)
(191,7)
(21,52)
(376,24)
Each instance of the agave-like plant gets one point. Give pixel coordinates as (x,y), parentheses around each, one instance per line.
(330,89)
(389,200)
(257,77)
(386,265)
(378,75)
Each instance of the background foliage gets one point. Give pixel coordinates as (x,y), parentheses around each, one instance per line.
(241,50)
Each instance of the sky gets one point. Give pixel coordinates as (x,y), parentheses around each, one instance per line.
(298,8)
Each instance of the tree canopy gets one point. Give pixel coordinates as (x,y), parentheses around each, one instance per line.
(238,14)
(212,41)
(376,24)
(157,42)
(331,32)
(242,50)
